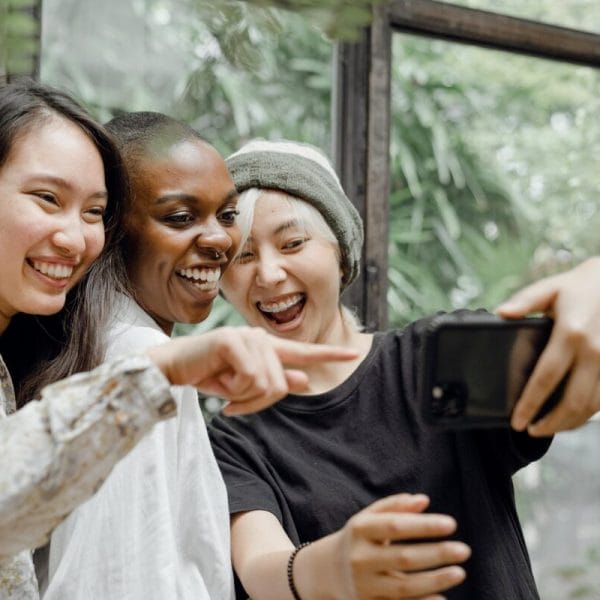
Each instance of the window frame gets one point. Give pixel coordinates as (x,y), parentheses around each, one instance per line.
(361,110)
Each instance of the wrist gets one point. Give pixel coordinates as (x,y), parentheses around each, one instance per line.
(316,571)
(290,570)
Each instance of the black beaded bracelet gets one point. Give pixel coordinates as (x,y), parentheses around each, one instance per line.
(290,570)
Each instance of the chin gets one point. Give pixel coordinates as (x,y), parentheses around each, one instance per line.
(197,316)
(46,309)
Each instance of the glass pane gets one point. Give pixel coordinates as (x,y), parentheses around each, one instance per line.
(494,173)
(575,14)
(495,182)
(228,68)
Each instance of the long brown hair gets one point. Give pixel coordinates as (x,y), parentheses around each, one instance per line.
(42,349)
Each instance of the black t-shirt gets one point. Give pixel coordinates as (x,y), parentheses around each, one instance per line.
(314,461)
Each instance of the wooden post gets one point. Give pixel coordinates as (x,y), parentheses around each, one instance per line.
(361,153)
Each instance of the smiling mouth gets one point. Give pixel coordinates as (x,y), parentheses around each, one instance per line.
(283,311)
(52,270)
(202,279)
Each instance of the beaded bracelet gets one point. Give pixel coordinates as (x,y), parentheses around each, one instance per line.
(290,570)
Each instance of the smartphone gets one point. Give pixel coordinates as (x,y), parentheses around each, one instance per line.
(474,366)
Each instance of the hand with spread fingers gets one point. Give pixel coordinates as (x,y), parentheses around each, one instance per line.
(389,550)
(572,299)
(244,365)
(383,558)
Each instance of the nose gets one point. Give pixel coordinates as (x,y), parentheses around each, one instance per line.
(214,238)
(269,270)
(70,236)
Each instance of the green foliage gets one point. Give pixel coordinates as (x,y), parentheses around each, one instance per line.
(243,91)
(19,40)
(449,210)
(339,19)
(486,150)
(227,33)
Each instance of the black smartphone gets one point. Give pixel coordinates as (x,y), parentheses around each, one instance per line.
(474,366)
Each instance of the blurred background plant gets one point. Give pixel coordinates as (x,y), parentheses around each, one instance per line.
(19,37)
(488,149)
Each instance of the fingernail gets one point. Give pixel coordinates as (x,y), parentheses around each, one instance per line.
(518,423)
(461,550)
(459,572)
(538,431)
(420,496)
(447,521)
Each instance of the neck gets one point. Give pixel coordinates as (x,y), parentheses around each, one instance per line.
(327,375)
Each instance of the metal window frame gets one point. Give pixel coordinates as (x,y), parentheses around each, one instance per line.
(361,110)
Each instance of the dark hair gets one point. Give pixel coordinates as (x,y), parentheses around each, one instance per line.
(145,134)
(41,349)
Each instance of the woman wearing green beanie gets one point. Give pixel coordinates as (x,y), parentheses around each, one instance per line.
(348,467)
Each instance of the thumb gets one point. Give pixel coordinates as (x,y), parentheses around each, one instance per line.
(297,380)
(402,502)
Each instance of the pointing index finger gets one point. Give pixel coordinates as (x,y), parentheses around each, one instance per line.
(300,353)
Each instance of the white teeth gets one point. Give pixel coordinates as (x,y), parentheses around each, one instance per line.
(201,275)
(275,307)
(53,270)
(205,286)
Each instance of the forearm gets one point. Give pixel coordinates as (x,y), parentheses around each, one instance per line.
(357,561)
(56,452)
(315,577)
(264,578)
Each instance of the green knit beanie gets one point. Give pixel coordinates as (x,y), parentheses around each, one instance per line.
(301,171)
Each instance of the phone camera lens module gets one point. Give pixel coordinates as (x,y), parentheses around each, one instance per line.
(448,399)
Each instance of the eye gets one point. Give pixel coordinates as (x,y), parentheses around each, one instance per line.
(179,219)
(244,256)
(295,243)
(95,213)
(46,197)
(228,216)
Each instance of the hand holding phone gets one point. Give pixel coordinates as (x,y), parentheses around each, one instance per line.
(474,366)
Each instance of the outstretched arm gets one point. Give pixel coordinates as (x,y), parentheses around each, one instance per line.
(572,299)
(56,452)
(358,562)
(245,365)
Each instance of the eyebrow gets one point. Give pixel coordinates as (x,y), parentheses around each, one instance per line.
(290,224)
(61,182)
(233,193)
(48,178)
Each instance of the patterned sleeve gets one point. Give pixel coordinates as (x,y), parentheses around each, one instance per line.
(57,451)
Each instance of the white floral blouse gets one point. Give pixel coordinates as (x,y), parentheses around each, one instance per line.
(55,452)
